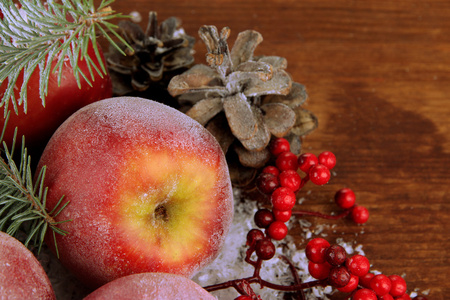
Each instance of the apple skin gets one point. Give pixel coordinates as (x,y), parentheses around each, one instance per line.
(148,190)
(150,286)
(38,123)
(21,274)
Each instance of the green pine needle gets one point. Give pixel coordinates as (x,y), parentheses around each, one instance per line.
(37,34)
(22,201)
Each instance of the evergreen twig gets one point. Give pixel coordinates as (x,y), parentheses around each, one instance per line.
(22,201)
(39,33)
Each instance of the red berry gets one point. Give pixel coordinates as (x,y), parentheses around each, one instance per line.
(380,284)
(243,297)
(407,297)
(254,236)
(398,285)
(417,298)
(277,230)
(328,159)
(365,280)
(351,285)
(339,277)
(319,271)
(319,174)
(386,297)
(290,179)
(287,161)
(283,199)
(278,146)
(263,218)
(345,198)
(335,255)
(315,250)
(360,214)
(282,215)
(265,249)
(306,161)
(267,183)
(364,294)
(358,265)
(272,170)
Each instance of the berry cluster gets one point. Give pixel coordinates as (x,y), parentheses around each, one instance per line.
(351,275)
(282,181)
(328,264)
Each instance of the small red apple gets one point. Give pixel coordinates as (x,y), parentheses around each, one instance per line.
(148,190)
(38,123)
(151,286)
(21,274)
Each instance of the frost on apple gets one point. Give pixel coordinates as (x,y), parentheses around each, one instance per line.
(149,190)
(157,286)
(21,274)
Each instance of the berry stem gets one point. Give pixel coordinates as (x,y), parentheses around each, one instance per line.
(304,181)
(300,213)
(256,278)
(300,295)
(249,252)
(263,283)
(294,287)
(257,268)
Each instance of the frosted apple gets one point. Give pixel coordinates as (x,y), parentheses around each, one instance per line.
(39,122)
(148,191)
(21,274)
(151,286)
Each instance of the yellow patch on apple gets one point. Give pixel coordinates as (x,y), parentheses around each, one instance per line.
(171,198)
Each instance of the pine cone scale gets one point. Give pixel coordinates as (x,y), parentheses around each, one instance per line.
(244,46)
(205,110)
(280,84)
(305,122)
(262,136)
(279,118)
(252,159)
(240,117)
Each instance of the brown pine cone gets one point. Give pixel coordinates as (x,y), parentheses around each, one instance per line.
(157,54)
(243,100)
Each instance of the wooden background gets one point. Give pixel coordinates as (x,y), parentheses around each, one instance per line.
(378,77)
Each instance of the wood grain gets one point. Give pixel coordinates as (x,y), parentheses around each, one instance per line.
(378,79)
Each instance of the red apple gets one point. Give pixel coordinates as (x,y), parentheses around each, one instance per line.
(38,123)
(21,274)
(148,190)
(154,286)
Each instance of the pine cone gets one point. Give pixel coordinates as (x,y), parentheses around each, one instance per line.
(243,100)
(157,53)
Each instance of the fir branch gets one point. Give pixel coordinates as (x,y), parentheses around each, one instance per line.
(22,201)
(38,34)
